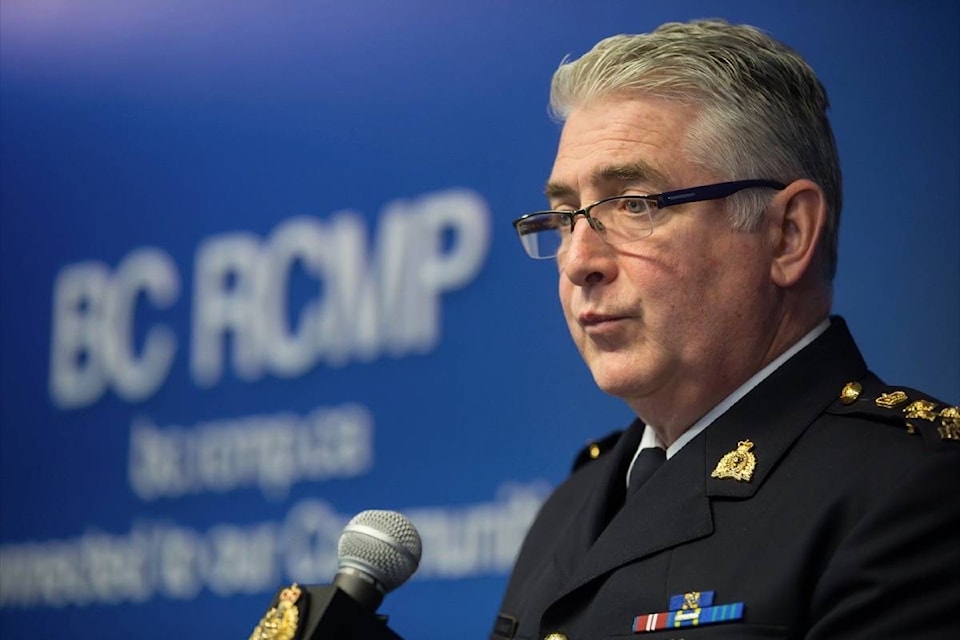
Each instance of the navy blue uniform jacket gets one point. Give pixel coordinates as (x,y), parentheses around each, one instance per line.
(849,527)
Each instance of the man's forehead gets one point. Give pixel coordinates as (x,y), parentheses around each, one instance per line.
(620,139)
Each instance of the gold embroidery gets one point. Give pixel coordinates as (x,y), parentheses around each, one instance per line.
(281,621)
(950,423)
(921,409)
(890,400)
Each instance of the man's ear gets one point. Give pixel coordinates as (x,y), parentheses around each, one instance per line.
(798,218)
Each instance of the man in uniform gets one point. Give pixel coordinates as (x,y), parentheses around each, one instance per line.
(771,487)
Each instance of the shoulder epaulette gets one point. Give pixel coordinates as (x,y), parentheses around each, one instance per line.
(596,448)
(913,410)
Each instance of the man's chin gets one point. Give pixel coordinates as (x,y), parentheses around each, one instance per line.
(622,386)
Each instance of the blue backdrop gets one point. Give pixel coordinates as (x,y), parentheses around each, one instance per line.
(257,274)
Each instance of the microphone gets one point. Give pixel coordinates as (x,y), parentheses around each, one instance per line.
(377,552)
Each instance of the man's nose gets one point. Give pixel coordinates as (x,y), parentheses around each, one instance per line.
(586,258)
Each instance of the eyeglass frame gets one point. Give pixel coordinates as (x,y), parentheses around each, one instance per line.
(663,200)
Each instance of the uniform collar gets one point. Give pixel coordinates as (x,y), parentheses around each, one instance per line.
(650,437)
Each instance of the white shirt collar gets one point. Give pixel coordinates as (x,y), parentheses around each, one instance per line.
(650,437)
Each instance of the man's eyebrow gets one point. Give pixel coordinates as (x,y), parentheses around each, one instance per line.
(631,172)
(558,191)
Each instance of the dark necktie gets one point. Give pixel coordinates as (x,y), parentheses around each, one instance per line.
(648,461)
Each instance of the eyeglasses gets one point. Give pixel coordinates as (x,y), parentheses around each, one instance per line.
(619,219)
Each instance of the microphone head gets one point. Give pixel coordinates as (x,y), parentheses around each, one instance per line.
(383,544)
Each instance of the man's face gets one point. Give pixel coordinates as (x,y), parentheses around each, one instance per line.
(676,321)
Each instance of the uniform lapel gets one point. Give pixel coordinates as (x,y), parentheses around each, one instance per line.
(673,507)
(669,509)
(606,486)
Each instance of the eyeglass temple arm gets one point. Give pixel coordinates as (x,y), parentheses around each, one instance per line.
(713,191)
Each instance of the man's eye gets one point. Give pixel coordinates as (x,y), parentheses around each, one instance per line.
(635,205)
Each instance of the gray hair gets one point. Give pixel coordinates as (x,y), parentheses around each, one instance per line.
(763,112)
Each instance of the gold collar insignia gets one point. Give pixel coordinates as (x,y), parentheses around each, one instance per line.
(738,464)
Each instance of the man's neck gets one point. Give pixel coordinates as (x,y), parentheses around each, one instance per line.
(689,406)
